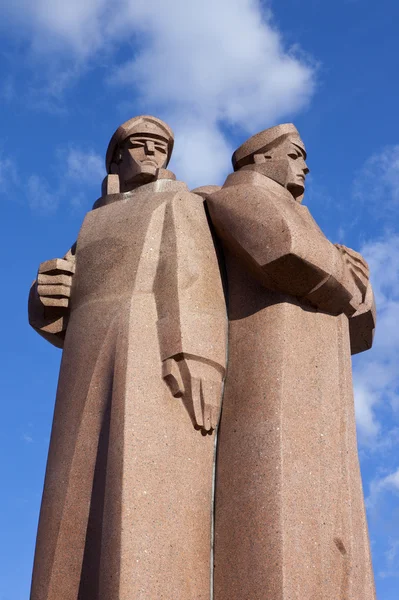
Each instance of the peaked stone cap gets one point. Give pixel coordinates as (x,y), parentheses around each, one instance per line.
(261,141)
(145,125)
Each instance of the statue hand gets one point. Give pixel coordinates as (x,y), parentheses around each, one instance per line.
(368,303)
(54,281)
(359,272)
(200,385)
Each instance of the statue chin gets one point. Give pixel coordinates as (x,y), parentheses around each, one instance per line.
(297,190)
(149,171)
(147,174)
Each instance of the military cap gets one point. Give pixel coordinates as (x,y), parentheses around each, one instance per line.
(142,125)
(262,141)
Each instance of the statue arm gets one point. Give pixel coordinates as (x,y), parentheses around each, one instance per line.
(283,247)
(362,322)
(48,304)
(192,320)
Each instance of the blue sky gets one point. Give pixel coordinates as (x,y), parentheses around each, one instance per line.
(217,71)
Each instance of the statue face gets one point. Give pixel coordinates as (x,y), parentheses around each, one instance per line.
(285,164)
(141,157)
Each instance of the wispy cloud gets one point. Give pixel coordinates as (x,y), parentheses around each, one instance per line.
(40,197)
(7,90)
(8,174)
(366,400)
(207,66)
(383,484)
(85,171)
(55,25)
(84,167)
(377,182)
(381,503)
(377,379)
(391,560)
(79,171)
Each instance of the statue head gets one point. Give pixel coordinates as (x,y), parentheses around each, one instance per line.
(278,153)
(138,150)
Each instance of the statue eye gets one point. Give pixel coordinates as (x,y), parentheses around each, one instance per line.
(133,143)
(161,149)
(293,155)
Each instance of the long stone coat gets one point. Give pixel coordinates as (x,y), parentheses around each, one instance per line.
(126,510)
(289,514)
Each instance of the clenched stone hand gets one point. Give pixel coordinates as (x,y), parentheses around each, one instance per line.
(54,282)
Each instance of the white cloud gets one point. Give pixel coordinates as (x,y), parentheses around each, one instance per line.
(378,180)
(78,171)
(383,258)
(380,485)
(217,60)
(40,198)
(8,174)
(74,26)
(382,503)
(84,167)
(216,63)
(365,402)
(376,380)
(201,154)
(393,551)
(392,560)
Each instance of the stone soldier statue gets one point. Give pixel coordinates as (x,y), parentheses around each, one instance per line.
(289,512)
(137,305)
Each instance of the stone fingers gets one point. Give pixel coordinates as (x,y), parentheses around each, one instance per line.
(196,395)
(212,396)
(57,266)
(172,376)
(62,291)
(54,282)
(45,279)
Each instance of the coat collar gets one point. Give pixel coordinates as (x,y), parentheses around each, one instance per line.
(163,184)
(250,177)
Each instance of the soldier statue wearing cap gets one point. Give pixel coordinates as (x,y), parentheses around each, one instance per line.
(137,305)
(289,511)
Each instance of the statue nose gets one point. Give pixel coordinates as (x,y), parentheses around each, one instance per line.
(149,147)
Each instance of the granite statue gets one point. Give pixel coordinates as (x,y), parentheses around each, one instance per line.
(162,287)
(137,305)
(289,511)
